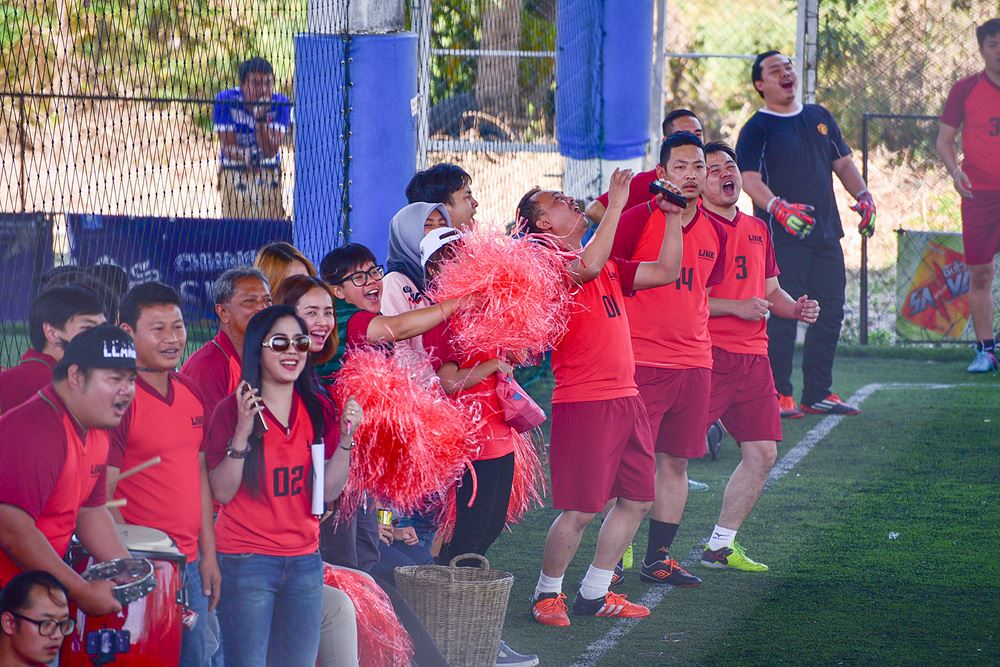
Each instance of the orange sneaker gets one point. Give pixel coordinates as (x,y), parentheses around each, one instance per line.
(550,609)
(788,408)
(612,604)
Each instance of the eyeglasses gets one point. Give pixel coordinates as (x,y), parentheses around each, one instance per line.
(361,278)
(281,343)
(48,627)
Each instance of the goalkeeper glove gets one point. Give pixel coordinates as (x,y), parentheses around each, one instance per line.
(865,207)
(794,218)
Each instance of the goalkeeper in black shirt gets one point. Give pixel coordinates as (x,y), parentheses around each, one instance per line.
(788,153)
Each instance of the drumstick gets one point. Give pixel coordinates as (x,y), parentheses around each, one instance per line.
(117,502)
(139,468)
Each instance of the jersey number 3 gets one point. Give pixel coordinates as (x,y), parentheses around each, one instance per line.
(741,267)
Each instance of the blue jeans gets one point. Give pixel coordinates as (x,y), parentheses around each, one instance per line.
(271,605)
(197,643)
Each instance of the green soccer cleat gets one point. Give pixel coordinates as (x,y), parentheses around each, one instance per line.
(730,558)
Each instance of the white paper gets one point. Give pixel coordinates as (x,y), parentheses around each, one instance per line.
(319,468)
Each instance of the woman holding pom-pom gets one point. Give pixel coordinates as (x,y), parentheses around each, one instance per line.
(257,446)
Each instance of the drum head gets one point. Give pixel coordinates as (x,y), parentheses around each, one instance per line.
(149,540)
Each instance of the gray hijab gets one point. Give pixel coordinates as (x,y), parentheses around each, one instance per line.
(405,232)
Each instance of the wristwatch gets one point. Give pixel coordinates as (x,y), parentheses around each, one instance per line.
(238,454)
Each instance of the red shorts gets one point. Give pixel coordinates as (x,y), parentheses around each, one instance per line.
(743,395)
(600,450)
(981,226)
(676,401)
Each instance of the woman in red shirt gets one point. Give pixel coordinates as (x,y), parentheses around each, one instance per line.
(267,538)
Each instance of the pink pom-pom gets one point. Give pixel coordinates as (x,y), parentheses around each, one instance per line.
(517,288)
(526,492)
(382,641)
(412,441)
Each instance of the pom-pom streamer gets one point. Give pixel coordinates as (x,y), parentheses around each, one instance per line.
(412,441)
(382,641)
(518,292)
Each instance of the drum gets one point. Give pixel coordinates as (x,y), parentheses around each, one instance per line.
(153,623)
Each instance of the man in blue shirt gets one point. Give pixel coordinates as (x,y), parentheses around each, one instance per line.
(788,153)
(251,121)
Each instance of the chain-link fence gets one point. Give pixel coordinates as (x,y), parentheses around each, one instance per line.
(129,137)
(885,69)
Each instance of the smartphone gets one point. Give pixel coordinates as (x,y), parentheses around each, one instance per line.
(657,187)
(260,415)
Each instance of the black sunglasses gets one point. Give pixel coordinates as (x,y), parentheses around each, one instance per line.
(281,342)
(361,278)
(47,627)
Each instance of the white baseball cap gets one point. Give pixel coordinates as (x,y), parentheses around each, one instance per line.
(435,240)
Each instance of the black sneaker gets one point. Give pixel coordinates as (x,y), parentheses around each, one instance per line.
(716,432)
(619,575)
(831,405)
(668,571)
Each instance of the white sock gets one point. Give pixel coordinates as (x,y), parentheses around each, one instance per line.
(547,584)
(721,537)
(596,583)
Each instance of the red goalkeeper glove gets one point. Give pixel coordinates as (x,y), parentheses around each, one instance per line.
(794,218)
(865,207)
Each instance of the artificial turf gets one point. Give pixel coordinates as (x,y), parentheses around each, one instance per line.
(881,543)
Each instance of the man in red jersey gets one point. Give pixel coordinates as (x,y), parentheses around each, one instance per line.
(974,105)
(239,294)
(57,315)
(673,351)
(678,120)
(53,456)
(600,447)
(167,419)
(743,391)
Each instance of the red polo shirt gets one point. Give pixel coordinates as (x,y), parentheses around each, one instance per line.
(49,467)
(171,427)
(20,383)
(594,361)
(974,105)
(496,438)
(669,324)
(749,263)
(215,369)
(278,521)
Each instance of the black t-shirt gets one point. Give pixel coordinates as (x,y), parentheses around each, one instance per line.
(794,155)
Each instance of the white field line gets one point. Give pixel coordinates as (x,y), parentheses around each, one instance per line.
(654,595)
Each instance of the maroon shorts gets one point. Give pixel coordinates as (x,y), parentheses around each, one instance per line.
(676,401)
(744,397)
(600,450)
(981,227)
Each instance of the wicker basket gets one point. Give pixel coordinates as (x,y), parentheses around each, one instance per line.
(462,607)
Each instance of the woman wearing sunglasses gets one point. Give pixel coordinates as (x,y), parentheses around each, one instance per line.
(257,446)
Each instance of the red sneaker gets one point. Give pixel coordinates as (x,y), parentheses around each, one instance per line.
(550,609)
(788,409)
(612,604)
(831,405)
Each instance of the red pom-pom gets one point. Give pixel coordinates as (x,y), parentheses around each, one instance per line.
(526,492)
(519,293)
(382,641)
(413,440)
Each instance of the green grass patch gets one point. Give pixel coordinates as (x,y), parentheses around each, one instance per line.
(923,464)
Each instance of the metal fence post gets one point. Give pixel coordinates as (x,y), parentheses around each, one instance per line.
(22,138)
(657,97)
(863,305)
(421,12)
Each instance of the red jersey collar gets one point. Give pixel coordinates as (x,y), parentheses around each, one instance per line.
(52,397)
(699,213)
(222,340)
(34,355)
(983,75)
(151,390)
(291,414)
(723,219)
